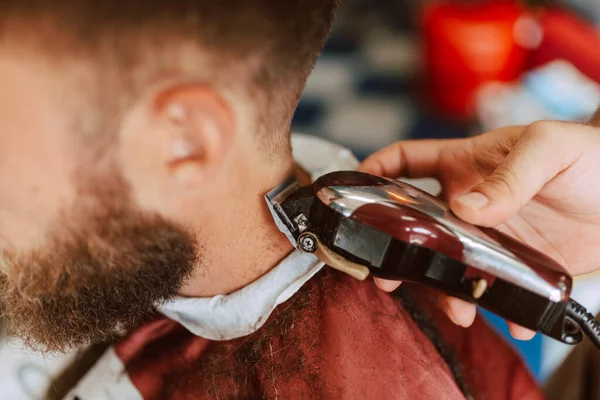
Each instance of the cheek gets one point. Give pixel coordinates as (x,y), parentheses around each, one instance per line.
(35,152)
(34,186)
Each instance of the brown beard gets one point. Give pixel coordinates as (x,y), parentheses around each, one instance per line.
(100,273)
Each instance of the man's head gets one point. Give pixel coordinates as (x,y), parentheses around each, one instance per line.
(130,132)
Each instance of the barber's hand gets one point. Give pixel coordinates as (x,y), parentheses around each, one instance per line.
(540,184)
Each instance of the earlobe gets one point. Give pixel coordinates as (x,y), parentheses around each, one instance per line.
(186,164)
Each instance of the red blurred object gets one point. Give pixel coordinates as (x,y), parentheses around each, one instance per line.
(467,45)
(569,38)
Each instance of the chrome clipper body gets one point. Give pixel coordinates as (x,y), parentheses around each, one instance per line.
(367,225)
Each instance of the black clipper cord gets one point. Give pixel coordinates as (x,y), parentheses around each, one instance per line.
(577,315)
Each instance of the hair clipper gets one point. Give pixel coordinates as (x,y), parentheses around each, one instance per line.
(368,225)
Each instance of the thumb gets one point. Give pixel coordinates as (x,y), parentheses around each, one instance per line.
(537,157)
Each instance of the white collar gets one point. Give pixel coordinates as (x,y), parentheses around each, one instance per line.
(226,317)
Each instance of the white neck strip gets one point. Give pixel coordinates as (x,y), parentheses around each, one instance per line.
(226,317)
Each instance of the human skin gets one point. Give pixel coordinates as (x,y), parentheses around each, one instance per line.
(538,183)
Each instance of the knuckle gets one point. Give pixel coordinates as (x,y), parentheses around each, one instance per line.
(503,180)
(543,129)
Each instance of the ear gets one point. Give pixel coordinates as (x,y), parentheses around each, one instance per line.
(175,139)
(199,132)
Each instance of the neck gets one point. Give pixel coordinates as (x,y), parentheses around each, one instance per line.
(248,241)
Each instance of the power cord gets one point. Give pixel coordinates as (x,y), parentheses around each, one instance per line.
(585,320)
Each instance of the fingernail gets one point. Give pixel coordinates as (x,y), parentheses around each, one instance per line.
(521,333)
(474,200)
(387,286)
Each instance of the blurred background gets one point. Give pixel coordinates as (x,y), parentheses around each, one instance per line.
(405,69)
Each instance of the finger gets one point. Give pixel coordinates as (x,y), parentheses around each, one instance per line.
(387,286)
(410,159)
(463,314)
(459,311)
(520,333)
(538,156)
